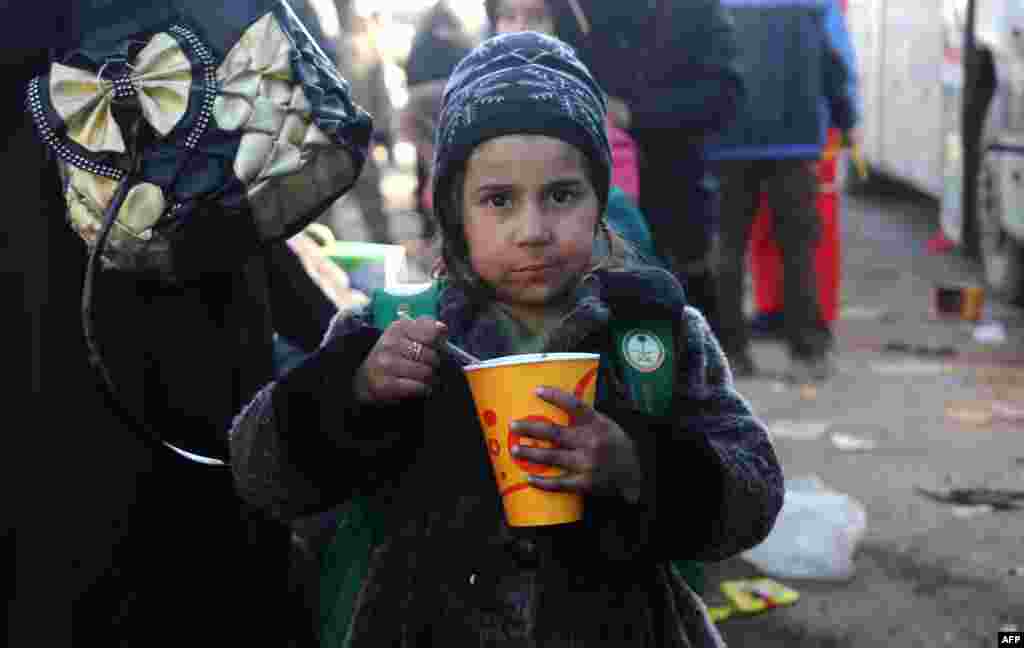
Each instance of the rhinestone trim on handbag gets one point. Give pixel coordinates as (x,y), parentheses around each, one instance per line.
(205,58)
(123,87)
(55,144)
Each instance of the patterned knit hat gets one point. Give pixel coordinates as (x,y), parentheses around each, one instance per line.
(515,84)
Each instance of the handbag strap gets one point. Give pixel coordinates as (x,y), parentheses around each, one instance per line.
(92,272)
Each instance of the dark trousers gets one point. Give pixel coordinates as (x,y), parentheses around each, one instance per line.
(791,186)
(681,214)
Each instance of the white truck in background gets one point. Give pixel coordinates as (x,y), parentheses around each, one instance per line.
(942,85)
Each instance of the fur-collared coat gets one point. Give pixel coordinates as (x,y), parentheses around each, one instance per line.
(450,571)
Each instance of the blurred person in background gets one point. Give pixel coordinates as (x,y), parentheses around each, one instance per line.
(313,20)
(439,44)
(798,63)
(669,67)
(360,63)
(355,54)
(506,16)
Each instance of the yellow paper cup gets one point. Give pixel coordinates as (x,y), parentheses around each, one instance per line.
(504,391)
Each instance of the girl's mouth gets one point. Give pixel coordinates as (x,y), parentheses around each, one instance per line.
(540,267)
(536,273)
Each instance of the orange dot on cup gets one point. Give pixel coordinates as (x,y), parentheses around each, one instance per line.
(490,418)
(494,447)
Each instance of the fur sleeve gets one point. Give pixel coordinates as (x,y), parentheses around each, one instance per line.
(304,443)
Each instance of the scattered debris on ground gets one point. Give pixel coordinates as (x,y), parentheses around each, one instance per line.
(990,333)
(757,595)
(998,499)
(920,350)
(1008,411)
(799,430)
(977,413)
(967,512)
(963,301)
(985,412)
(850,443)
(815,535)
(863,313)
(911,368)
(1000,376)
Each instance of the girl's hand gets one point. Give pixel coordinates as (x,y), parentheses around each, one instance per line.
(596,453)
(403,363)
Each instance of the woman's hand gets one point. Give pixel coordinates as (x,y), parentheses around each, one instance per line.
(596,453)
(403,363)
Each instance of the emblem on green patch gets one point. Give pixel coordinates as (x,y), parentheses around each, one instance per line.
(643,350)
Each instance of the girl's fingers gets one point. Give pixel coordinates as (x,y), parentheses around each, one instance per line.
(398,366)
(573,461)
(582,483)
(393,389)
(416,340)
(425,330)
(410,349)
(566,437)
(580,412)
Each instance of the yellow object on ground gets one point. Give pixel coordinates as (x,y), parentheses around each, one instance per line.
(757,595)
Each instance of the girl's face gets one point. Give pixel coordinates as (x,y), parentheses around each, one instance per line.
(524,15)
(530,213)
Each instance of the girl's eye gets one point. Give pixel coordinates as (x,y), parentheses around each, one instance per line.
(497,201)
(564,196)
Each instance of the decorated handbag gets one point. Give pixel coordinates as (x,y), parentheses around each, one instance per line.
(220,109)
(177,122)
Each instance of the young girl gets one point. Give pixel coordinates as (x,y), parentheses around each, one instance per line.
(522,178)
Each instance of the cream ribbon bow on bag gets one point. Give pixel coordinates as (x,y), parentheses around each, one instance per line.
(160,78)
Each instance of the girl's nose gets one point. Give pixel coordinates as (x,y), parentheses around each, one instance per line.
(533,228)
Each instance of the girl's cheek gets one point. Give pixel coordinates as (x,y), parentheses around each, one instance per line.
(582,247)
